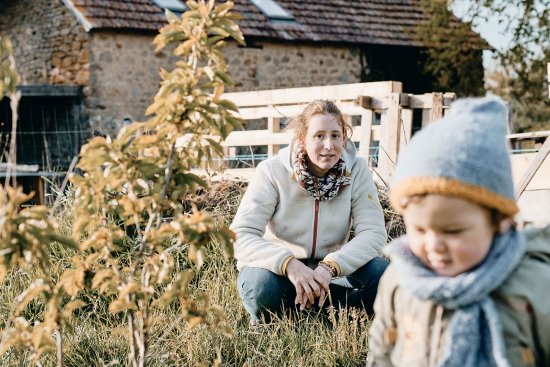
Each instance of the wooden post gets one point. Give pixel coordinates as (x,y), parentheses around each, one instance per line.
(405,127)
(365,134)
(533,168)
(437,107)
(389,139)
(273,126)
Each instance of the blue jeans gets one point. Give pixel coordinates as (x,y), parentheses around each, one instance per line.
(264,292)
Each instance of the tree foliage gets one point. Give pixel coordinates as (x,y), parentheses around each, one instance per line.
(453,56)
(129,199)
(521,77)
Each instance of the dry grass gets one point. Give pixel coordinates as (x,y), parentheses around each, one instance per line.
(98,338)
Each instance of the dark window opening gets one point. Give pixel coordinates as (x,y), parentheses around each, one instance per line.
(416,121)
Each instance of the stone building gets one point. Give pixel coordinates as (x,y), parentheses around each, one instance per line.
(97,61)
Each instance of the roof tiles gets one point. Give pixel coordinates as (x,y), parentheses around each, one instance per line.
(386,22)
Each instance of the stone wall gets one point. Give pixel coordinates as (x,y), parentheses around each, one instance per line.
(50,46)
(120,71)
(125,71)
(272,65)
(124,77)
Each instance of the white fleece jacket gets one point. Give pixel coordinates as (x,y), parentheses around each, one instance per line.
(276,218)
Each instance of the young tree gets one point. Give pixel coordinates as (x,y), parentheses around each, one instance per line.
(129,200)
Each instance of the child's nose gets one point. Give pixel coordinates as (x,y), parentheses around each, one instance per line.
(328,144)
(434,242)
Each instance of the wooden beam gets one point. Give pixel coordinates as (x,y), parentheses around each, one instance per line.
(533,167)
(405,128)
(389,140)
(308,94)
(273,126)
(365,134)
(529,135)
(257,137)
(437,107)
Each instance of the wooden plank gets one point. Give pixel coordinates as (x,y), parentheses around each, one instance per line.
(437,107)
(307,94)
(520,164)
(389,140)
(375,133)
(365,133)
(425,101)
(405,128)
(257,137)
(250,113)
(534,207)
(272,128)
(529,135)
(533,167)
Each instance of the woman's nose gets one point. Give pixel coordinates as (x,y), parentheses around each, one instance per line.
(328,144)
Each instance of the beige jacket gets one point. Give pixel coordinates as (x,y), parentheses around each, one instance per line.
(277,218)
(408,332)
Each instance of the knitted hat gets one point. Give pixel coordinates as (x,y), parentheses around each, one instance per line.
(465,154)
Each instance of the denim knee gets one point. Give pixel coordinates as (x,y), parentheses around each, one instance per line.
(368,276)
(262,291)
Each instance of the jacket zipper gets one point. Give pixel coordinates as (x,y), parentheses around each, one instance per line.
(315,222)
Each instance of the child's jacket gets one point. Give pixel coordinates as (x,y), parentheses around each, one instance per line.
(408,331)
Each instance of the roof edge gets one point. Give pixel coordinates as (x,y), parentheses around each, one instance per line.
(78,14)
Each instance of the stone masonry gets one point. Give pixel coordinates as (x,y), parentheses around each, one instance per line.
(120,71)
(50,46)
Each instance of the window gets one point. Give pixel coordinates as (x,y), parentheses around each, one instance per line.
(272,10)
(175,6)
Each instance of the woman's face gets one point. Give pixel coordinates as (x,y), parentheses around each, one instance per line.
(324,141)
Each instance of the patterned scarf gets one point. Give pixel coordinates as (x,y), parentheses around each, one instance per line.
(474,337)
(320,188)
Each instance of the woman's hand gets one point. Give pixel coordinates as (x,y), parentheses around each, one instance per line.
(305,282)
(323,278)
(310,284)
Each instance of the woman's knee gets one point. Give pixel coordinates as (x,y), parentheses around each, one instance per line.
(261,290)
(368,276)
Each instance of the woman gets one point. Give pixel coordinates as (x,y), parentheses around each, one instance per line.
(294,221)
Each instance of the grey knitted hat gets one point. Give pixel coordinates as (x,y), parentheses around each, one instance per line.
(465,154)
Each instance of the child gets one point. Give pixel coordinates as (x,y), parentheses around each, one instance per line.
(464,288)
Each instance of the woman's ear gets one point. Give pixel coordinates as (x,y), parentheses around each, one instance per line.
(505,224)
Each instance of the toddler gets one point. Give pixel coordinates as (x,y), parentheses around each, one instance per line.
(464,287)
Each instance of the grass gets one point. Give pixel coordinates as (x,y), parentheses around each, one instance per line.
(98,338)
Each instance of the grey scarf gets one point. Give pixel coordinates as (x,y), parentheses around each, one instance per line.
(474,337)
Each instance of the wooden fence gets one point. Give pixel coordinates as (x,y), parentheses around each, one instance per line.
(382,116)
(383,119)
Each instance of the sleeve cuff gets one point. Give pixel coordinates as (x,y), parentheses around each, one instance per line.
(335,264)
(285,263)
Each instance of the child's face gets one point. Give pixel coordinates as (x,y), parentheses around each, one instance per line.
(449,235)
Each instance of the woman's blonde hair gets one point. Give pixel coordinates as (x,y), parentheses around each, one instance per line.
(318,107)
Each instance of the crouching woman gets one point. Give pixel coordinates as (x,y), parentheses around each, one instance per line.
(294,221)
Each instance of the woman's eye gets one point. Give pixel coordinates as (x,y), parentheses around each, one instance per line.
(420,230)
(336,136)
(453,231)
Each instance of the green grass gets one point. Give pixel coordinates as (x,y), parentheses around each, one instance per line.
(98,338)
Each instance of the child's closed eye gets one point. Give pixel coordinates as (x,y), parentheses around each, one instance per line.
(453,231)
